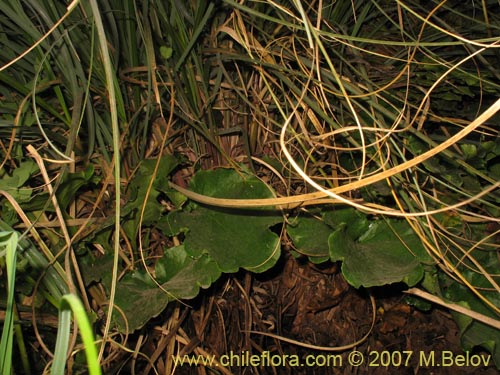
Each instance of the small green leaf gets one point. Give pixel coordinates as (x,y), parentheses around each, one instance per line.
(417,302)
(453,177)
(489,150)
(71,183)
(417,147)
(14,184)
(469,150)
(138,190)
(356,222)
(451,96)
(470,80)
(166,52)
(19,175)
(183,275)
(310,236)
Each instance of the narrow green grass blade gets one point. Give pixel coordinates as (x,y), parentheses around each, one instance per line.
(62,343)
(71,303)
(8,240)
(196,34)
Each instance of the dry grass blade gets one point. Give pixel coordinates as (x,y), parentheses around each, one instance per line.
(454,307)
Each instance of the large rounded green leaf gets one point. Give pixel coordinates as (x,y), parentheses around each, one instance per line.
(388,252)
(233,238)
(180,277)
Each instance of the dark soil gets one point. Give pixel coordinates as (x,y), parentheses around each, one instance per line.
(314,305)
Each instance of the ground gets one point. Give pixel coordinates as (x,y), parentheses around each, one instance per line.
(314,305)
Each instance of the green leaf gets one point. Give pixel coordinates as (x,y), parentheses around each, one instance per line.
(97,269)
(183,275)
(139,299)
(469,150)
(180,276)
(71,183)
(417,147)
(310,236)
(473,333)
(233,238)
(229,183)
(451,96)
(19,175)
(14,183)
(419,303)
(357,223)
(166,52)
(453,177)
(138,189)
(388,252)
(489,150)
